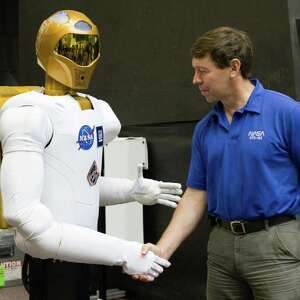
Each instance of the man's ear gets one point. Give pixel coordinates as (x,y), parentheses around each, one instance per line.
(235,65)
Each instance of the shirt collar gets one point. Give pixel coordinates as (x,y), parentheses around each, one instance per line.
(253,104)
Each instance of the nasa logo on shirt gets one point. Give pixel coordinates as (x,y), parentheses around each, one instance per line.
(256,134)
(85,137)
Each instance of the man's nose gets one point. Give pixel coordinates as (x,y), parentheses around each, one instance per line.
(197,79)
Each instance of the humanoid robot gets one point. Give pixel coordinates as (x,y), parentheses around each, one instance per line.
(52,143)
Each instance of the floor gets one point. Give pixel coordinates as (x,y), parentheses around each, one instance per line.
(19,293)
(13,293)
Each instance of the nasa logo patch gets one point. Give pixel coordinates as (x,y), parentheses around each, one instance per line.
(85,137)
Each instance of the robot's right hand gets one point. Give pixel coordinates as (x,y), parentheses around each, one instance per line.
(149,265)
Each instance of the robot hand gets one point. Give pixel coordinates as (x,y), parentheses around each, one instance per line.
(147,265)
(150,192)
(145,250)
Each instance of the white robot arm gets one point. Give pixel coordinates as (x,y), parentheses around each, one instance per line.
(38,233)
(142,190)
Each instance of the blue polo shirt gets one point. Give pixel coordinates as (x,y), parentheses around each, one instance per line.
(249,168)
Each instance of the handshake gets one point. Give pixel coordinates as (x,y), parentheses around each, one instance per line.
(144,263)
(146,250)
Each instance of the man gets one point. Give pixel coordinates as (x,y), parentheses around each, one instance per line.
(52,144)
(245,168)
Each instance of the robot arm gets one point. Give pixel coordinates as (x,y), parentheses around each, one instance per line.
(24,132)
(145,191)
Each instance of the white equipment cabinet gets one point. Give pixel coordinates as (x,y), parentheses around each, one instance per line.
(121,158)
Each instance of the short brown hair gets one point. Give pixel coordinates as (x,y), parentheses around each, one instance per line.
(224,44)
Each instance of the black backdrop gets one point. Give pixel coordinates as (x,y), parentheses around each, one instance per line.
(9,33)
(146,61)
(169,152)
(145,74)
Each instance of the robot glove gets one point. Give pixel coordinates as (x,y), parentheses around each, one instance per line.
(149,265)
(150,192)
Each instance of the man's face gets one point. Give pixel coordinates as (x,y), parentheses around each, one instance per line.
(212,82)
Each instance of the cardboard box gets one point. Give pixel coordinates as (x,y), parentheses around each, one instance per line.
(11,260)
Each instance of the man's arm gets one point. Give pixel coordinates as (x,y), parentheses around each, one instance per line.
(185,218)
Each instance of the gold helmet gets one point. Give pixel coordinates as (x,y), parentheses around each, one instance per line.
(68,48)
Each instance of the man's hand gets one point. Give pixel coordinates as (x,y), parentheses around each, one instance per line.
(150,192)
(140,262)
(145,250)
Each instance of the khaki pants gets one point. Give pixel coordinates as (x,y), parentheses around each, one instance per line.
(263,265)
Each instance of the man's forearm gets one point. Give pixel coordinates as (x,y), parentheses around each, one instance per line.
(186,217)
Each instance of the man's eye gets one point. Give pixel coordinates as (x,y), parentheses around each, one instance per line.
(201,71)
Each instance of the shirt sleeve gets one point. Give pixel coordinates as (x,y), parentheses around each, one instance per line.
(197,170)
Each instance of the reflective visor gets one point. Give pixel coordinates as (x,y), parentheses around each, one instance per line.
(81,48)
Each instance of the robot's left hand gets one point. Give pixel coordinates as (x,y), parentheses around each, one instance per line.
(150,192)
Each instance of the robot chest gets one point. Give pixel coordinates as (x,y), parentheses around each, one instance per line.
(82,130)
(77,141)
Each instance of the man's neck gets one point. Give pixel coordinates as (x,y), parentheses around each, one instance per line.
(239,96)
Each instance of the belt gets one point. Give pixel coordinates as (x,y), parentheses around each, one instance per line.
(247,226)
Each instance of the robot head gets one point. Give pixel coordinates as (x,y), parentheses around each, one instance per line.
(68,48)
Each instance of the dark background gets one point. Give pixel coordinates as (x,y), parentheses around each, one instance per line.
(145,74)
(9,34)
(145,71)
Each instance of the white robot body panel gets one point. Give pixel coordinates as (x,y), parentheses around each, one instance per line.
(73,157)
(52,152)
